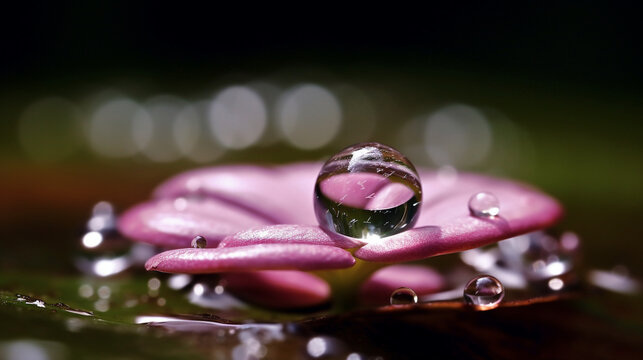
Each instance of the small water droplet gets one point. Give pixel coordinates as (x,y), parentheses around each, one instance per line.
(37,302)
(484,292)
(199,242)
(367,191)
(484,204)
(404,296)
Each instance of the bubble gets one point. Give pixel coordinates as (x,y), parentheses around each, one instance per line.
(199,242)
(404,296)
(484,204)
(367,191)
(484,292)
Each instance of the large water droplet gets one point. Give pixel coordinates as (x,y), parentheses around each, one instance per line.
(368,191)
(484,292)
(404,296)
(484,204)
(199,242)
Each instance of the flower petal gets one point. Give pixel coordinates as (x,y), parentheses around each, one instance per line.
(291,234)
(445,224)
(173,223)
(283,195)
(279,289)
(253,257)
(377,289)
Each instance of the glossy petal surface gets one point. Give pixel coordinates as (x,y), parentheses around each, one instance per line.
(293,234)
(173,223)
(253,257)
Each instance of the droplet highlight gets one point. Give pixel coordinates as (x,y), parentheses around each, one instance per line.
(199,242)
(484,292)
(367,191)
(404,296)
(484,204)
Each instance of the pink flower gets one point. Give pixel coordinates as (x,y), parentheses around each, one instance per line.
(258,218)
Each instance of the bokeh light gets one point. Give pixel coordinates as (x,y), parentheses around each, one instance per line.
(238,117)
(309,116)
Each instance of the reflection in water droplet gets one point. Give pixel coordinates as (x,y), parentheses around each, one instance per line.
(484,292)
(484,204)
(404,296)
(199,242)
(367,191)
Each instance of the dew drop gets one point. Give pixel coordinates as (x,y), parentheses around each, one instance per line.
(199,242)
(367,191)
(484,292)
(404,296)
(484,204)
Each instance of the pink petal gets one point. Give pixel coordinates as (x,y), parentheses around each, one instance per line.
(391,195)
(445,224)
(173,223)
(282,196)
(253,257)
(291,234)
(353,189)
(280,289)
(377,289)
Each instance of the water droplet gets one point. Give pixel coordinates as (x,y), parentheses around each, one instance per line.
(199,242)
(367,191)
(484,204)
(484,292)
(404,296)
